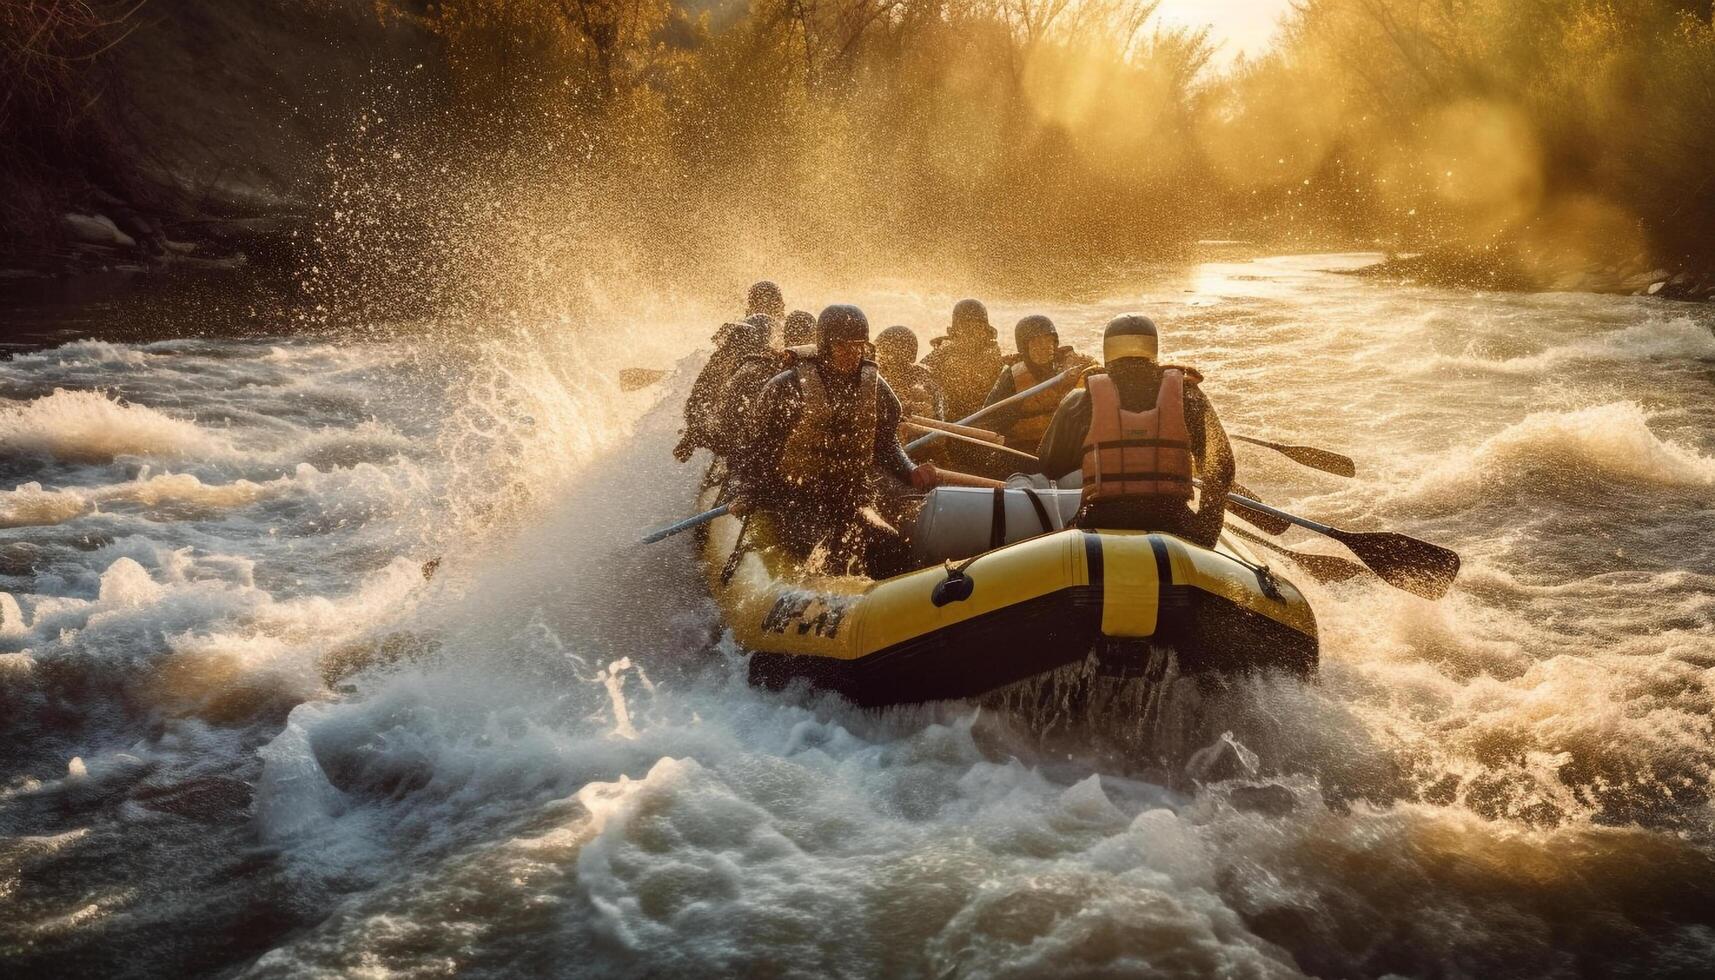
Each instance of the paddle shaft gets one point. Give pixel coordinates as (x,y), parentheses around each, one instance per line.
(988,410)
(953,478)
(1263,522)
(948,477)
(1326,568)
(661,534)
(1303,522)
(984,443)
(933,425)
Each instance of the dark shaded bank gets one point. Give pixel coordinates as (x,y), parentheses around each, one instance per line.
(181,133)
(1502,270)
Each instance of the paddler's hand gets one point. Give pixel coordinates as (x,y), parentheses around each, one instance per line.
(682,452)
(925,477)
(738,507)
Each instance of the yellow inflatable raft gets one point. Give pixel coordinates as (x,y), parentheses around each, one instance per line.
(1046,596)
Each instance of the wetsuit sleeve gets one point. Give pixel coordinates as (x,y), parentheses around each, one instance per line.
(1214,458)
(737,404)
(702,404)
(889,454)
(1003,388)
(1062,448)
(777,412)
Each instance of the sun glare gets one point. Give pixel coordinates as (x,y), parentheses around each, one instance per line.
(1239,26)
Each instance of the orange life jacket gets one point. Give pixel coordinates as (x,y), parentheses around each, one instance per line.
(1037,411)
(1137,454)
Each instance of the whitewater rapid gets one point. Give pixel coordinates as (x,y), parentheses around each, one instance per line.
(243,733)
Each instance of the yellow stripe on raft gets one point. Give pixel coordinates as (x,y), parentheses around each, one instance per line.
(1131,593)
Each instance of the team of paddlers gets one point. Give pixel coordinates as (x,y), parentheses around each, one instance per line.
(805,415)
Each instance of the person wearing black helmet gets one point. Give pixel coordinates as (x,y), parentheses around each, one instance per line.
(734,344)
(800,328)
(1139,432)
(765,297)
(825,428)
(965,361)
(740,394)
(1040,358)
(736,420)
(896,356)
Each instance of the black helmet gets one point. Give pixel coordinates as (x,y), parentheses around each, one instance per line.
(897,341)
(839,322)
(765,297)
(800,328)
(765,326)
(1030,328)
(1130,335)
(970,317)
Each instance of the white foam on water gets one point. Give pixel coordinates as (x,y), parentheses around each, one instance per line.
(1608,442)
(94,426)
(92,353)
(337,493)
(1667,339)
(535,762)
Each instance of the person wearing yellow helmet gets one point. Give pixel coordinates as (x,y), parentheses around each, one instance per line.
(1139,433)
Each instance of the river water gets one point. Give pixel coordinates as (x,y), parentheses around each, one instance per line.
(241,732)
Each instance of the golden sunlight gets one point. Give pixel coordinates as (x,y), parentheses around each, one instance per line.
(1239,26)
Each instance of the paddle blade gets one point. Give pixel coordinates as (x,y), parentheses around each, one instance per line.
(632,379)
(1263,521)
(1404,562)
(1316,459)
(1323,568)
(1326,568)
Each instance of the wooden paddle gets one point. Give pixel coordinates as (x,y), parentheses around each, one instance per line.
(1402,561)
(987,410)
(953,478)
(929,424)
(983,443)
(1316,459)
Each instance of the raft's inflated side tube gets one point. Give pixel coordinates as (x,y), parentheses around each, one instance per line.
(1021,610)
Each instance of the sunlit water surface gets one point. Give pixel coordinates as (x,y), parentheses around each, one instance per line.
(240,732)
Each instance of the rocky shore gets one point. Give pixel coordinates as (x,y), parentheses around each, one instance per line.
(201,135)
(1496,269)
(113,236)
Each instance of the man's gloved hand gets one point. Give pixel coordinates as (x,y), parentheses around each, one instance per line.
(925,477)
(738,507)
(682,452)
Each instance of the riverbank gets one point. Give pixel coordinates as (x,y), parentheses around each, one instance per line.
(1640,275)
(193,136)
